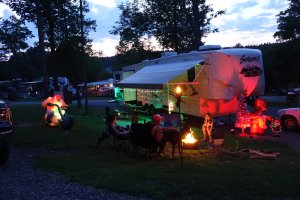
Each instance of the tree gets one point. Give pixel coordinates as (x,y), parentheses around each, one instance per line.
(56,21)
(13,34)
(68,61)
(179,25)
(63,23)
(289,22)
(243,118)
(60,19)
(32,11)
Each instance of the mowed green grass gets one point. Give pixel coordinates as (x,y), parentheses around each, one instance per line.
(195,176)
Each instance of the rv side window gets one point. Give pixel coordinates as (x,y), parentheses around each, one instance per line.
(191,74)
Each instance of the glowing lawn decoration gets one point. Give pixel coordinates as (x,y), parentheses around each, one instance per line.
(56,100)
(258,125)
(243,118)
(56,118)
(275,126)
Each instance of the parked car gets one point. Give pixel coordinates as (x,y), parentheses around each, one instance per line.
(5,129)
(290,118)
(5,118)
(293,96)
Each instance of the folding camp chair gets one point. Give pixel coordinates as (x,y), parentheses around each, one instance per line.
(218,141)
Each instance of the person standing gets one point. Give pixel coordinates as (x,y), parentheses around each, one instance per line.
(78,97)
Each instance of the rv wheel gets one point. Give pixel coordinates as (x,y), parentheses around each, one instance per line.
(67,123)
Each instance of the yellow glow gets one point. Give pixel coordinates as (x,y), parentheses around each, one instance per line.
(189,138)
(178,90)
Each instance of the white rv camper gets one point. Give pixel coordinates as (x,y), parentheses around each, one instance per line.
(211,81)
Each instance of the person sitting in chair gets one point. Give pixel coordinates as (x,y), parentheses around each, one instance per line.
(207,127)
(162,134)
(115,129)
(156,129)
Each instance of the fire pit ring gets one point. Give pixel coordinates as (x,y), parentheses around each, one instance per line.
(188,141)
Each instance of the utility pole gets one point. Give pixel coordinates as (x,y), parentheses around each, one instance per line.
(83,60)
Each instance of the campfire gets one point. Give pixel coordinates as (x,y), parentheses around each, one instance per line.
(189,141)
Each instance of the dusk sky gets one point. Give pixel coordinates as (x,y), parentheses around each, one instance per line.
(249,22)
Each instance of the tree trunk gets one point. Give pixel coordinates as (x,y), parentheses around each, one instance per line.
(196,20)
(41,47)
(51,34)
(83,59)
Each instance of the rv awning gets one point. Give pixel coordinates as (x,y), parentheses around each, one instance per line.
(155,76)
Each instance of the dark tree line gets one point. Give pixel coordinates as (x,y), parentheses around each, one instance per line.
(65,63)
(281,63)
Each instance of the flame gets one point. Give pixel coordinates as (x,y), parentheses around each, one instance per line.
(189,138)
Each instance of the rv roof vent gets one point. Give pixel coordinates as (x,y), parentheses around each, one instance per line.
(168,54)
(209,47)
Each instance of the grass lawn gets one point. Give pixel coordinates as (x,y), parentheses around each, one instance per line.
(200,177)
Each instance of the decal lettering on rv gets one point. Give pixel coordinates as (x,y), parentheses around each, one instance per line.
(251,71)
(245,58)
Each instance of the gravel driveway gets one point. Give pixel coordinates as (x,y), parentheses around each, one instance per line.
(19,180)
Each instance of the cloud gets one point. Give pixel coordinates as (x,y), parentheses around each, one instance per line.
(253,17)
(229,38)
(261,22)
(106,45)
(5,11)
(246,22)
(242,6)
(94,9)
(276,4)
(104,3)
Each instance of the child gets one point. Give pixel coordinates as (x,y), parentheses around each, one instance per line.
(207,127)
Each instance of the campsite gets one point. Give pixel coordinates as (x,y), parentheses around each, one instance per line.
(147,99)
(73,155)
(181,88)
